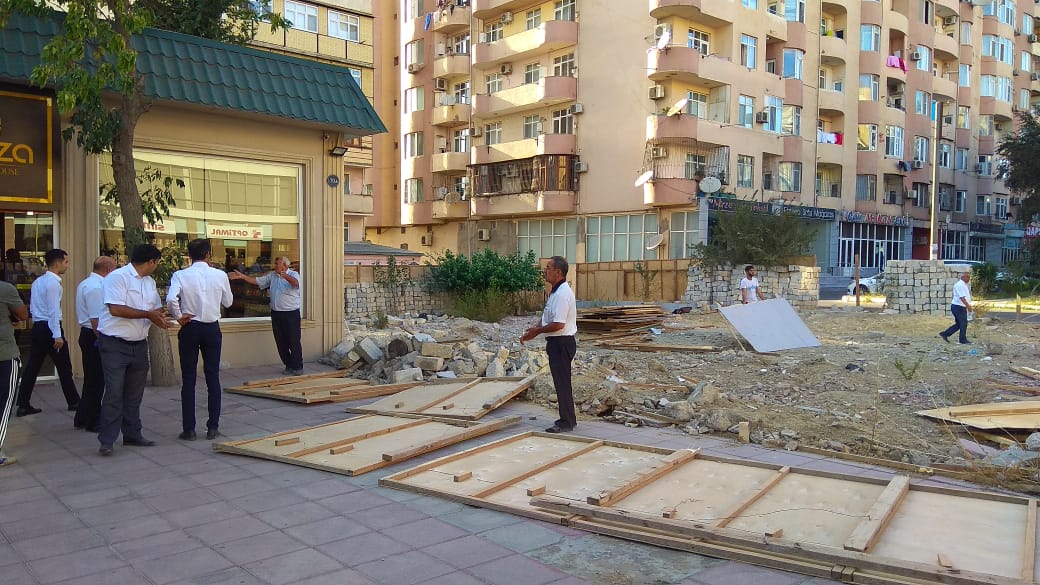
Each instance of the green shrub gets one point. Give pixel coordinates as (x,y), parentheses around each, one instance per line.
(488,278)
(983,278)
(487,305)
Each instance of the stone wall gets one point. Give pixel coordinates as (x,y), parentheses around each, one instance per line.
(361,300)
(921,286)
(800,285)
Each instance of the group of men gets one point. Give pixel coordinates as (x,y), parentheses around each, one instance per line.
(115,308)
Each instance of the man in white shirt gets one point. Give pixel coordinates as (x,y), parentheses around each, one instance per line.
(132,306)
(285,285)
(90,302)
(960,306)
(47,337)
(196,295)
(749,286)
(559,324)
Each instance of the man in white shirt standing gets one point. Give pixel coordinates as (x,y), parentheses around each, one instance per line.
(90,302)
(559,324)
(47,337)
(749,286)
(960,306)
(285,284)
(196,295)
(132,306)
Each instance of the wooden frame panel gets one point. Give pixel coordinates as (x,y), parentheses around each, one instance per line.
(467,400)
(320,390)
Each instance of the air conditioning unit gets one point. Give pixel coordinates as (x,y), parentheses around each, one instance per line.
(415,67)
(441,49)
(506,68)
(581,167)
(1034,38)
(440,84)
(911,194)
(658,152)
(577,108)
(1034,76)
(440,192)
(506,18)
(442,143)
(426,239)
(655,92)
(484,235)
(661,30)
(1016,201)
(915,56)
(948,119)
(475,130)
(949,20)
(762,117)
(917,164)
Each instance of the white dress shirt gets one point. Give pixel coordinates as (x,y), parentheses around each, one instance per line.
(961,290)
(561,308)
(45,301)
(284,296)
(90,300)
(199,290)
(124,286)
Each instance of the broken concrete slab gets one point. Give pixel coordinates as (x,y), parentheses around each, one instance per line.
(438,350)
(429,364)
(406,375)
(369,350)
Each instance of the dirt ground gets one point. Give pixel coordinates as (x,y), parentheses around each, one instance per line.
(857,393)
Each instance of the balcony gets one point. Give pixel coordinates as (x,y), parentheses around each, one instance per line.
(417,213)
(451,66)
(686,64)
(449,162)
(685,126)
(945,89)
(896,21)
(946,47)
(453,21)
(444,209)
(832,102)
(548,91)
(538,203)
(710,12)
(548,36)
(358,204)
(831,154)
(482,9)
(450,115)
(669,192)
(527,148)
(833,50)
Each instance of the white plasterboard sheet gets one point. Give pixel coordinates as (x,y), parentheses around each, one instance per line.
(770,325)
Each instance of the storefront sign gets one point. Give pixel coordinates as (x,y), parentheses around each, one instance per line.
(26,148)
(986,228)
(231,232)
(165,226)
(876,218)
(1033,231)
(764,208)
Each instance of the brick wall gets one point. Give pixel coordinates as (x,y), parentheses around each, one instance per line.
(800,285)
(921,286)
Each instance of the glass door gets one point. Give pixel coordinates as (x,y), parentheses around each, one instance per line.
(26,236)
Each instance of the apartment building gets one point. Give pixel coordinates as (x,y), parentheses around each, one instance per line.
(524,124)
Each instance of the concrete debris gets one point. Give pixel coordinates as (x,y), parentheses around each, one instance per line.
(1033,442)
(369,350)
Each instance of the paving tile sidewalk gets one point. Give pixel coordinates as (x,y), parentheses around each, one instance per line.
(180,513)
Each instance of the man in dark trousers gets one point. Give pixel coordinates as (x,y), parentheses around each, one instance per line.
(285,284)
(90,302)
(47,336)
(559,324)
(132,307)
(196,295)
(11,308)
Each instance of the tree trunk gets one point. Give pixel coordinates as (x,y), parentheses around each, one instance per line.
(160,355)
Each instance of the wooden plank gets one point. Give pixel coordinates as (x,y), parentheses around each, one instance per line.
(474,431)
(880,514)
(743,505)
(341,449)
(618,492)
(462,476)
(292,379)
(539,469)
(1027,372)
(660,347)
(1010,415)
(356,438)
(461,455)
(965,474)
(291,441)
(1029,559)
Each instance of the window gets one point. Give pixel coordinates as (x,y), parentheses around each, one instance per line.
(963,117)
(986,125)
(302,16)
(868,87)
(414,53)
(954,244)
(355,74)
(985,166)
(413,190)
(695,163)
(867,137)
(493,133)
(547,237)
(866,187)
(460,44)
(790,176)
(794,10)
(926,13)
(1004,10)
(977,249)
(922,102)
(945,154)
(745,171)
(960,201)
(924,63)
(460,140)
(532,126)
(563,121)
(774,106)
(961,159)
(461,92)
(700,40)
(1000,48)
(1027,24)
(1000,207)
(532,72)
(493,82)
(613,238)
(413,144)
(746,111)
(697,104)
(924,197)
(748,48)
(791,124)
(894,141)
(414,100)
(1023,99)
(793,63)
(412,9)
(922,150)
(752,4)
(1026,62)
(563,66)
(869,38)
(344,26)
(563,10)
(982,205)
(533,19)
(965,33)
(964,75)
(684,234)
(873,243)
(493,31)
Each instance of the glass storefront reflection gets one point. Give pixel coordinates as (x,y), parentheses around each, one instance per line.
(26,237)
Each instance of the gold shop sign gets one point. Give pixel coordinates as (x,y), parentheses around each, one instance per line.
(26,148)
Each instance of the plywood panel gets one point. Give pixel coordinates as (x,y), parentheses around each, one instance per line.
(996,415)
(321,390)
(467,400)
(414,399)
(770,325)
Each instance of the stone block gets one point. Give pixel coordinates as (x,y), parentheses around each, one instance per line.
(369,350)
(496,369)
(406,375)
(429,364)
(439,350)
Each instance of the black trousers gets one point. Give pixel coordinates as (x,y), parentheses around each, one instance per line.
(89,410)
(8,379)
(960,323)
(286,328)
(193,338)
(125,364)
(561,350)
(41,345)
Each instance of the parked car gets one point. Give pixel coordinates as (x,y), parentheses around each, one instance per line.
(869,285)
(968,263)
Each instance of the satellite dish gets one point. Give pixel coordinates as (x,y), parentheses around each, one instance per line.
(710,184)
(644,178)
(678,107)
(666,38)
(654,241)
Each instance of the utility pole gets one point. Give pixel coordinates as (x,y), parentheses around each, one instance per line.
(933,216)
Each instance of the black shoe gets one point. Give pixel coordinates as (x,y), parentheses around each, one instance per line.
(27,410)
(105,450)
(945,337)
(298,372)
(213,434)
(558,429)
(142,442)
(73,407)
(287,372)
(187,436)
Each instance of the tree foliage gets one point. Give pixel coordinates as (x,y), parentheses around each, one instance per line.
(745,237)
(1021,173)
(485,270)
(229,21)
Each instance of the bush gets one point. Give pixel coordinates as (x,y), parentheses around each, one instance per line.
(983,278)
(488,305)
(745,237)
(497,282)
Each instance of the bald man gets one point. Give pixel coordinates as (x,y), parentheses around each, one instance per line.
(90,303)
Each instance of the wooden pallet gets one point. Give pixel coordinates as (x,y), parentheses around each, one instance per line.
(620,318)
(465,399)
(322,390)
(361,444)
(995,415)
(849,528)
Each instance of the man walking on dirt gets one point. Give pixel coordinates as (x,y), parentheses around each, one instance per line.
(960,306)
(559,324)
